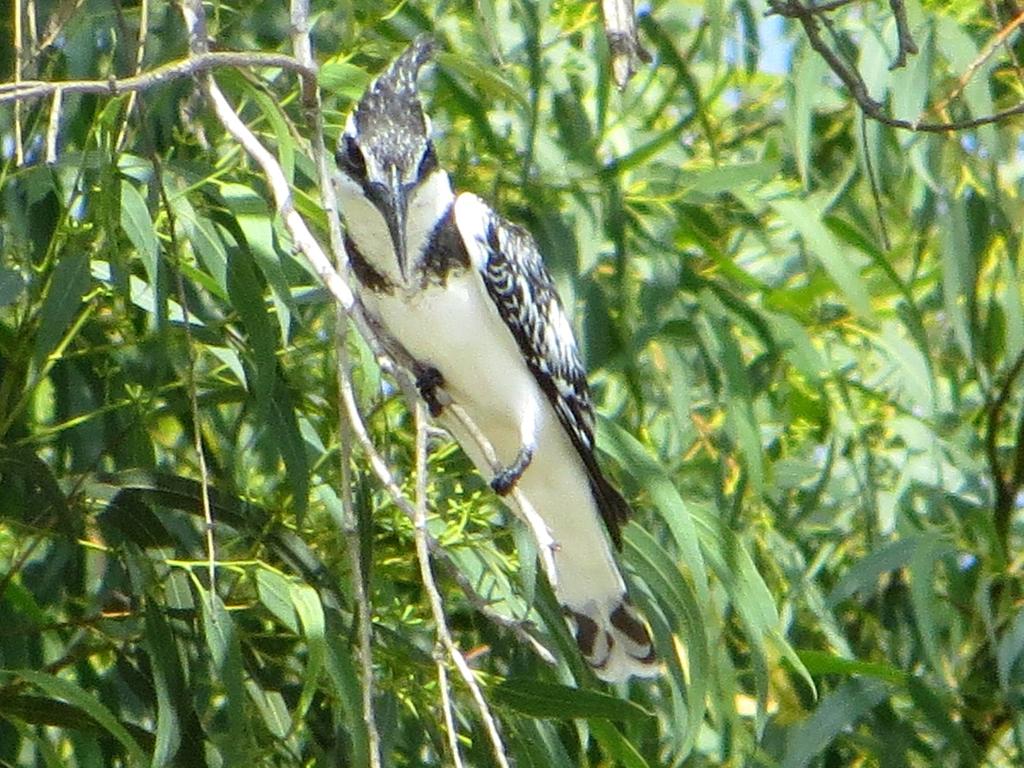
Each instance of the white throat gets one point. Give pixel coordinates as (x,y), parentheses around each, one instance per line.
(428,203)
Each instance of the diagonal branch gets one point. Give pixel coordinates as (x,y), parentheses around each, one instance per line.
(807,16)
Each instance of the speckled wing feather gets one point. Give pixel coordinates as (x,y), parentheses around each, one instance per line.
(525,296)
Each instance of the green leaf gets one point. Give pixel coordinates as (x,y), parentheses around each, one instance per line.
(168,682)
(12,285)
(823,663)
(87,702)
(617,746)
(550,700)
(495,85)
(222,644)
(343,78)
(807,222)
(68,284)
(634,459)
(311,614)
(841,710)
(138,226)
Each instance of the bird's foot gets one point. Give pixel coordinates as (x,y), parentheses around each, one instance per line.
(428,380)
(506,478)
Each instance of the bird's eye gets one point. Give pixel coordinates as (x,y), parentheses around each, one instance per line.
(428,162)
(350,158)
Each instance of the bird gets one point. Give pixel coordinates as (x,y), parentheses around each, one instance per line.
(467,296)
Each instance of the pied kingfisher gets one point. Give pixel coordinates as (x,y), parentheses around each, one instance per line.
(466,294)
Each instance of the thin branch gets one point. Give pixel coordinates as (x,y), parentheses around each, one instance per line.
(1000,38)
(904,40)
(353,541)
(436,606)
(140,54)
(303,51)
(57,23)
(850,77)
(443,640)
(24,90)
(546,544)
(53,127)
(19,59)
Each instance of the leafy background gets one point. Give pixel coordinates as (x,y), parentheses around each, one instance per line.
(809,386)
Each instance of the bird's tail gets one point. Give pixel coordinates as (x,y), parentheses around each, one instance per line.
(613,639)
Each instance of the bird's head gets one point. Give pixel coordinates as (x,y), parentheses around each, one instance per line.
(386,152)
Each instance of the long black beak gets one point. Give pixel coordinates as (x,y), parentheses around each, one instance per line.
(395,205)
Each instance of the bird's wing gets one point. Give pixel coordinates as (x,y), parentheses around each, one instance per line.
(524,294)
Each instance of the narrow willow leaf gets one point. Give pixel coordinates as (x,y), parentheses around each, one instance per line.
(310,611)
(247,299)
(275,593)
(138,226)
(958,271)
(489,80)
(929,613)
(679,603)
(222,644)
(68,284)
(1008,652)
(840,711)
(827,250)
(864,574)
(288,441)
(622,752)
(256,223)
(808,76)
(343,78)
(347,691)
(937,710)
(634,459)
(168,682)
(87,702)
(551,700)
(823,663)
(12,285)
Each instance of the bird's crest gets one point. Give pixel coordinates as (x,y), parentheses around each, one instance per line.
(389,119)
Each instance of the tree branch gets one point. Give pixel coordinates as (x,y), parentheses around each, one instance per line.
(199,63)
(444,635)
(850,77)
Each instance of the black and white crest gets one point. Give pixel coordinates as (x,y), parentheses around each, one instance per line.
(389,116)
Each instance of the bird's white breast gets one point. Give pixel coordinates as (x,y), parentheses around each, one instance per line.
(456,329)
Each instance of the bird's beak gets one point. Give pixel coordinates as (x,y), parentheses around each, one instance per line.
(395,208)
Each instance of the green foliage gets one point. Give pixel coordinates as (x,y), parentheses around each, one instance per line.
(810,387)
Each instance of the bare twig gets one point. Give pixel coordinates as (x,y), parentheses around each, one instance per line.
(24,90)
(19,60)
(546,544)
(350,529)
(56,23)
(140,53)
(443,643)
(999,39)
(53,127)
(904,39)
(434,596)
(807,16)
(303,51)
